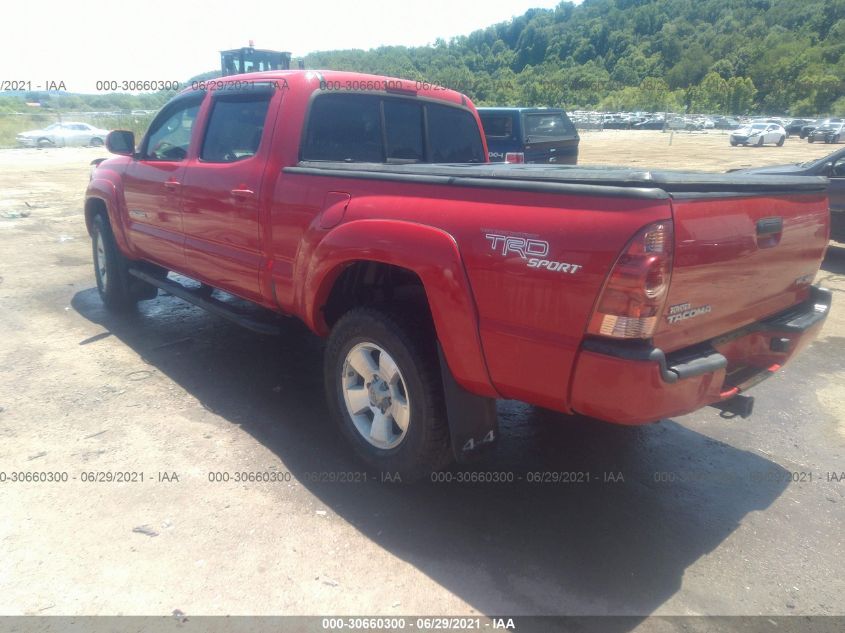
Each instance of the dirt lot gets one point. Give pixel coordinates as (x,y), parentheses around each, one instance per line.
(714,516)
(708,151)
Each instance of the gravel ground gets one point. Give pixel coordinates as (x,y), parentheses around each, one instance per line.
(695,515)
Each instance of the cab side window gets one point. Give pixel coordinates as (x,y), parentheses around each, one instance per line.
(373,129)
(344,128)
(453,136)
(170,134)
(403,127)
(235,128)
(838,170)
(498,125)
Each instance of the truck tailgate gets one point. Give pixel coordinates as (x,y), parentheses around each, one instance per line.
(739,259)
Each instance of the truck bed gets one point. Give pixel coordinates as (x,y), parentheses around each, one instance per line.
(598,180)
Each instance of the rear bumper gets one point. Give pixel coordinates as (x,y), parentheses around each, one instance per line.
(633,383)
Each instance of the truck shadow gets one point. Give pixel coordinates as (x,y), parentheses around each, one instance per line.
(615,541)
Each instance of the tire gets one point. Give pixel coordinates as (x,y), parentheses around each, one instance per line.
(810,139)
(759,142)
(781,141)
(111,269)
(398,377)
(733,143)
(96,142)
(836,139)
(44,142)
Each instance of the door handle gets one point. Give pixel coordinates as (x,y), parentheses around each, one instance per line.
(172,185)
(242,193)
(768,226)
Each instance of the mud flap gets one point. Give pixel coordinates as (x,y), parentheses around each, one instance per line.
(473,422)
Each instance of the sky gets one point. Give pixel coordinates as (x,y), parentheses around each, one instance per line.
(80,42)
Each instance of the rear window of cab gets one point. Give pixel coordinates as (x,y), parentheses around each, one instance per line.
(378,129)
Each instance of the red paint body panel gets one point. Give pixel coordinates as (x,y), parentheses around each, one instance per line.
(508,327)
(433,255)
(633,392)
(721,262)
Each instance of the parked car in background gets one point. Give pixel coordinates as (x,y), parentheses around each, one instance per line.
(726,123)
(65,134)
(809,128)
(657,123)
(758,134)
(832,167)
(830,132)
(530,135)
(805,130)
(796,125)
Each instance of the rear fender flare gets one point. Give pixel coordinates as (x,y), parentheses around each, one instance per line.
(433,255)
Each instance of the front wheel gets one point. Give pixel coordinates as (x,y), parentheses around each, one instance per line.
(809,139)
(384,389)
(96,142)
(110,267)
(760,142)
(780,142)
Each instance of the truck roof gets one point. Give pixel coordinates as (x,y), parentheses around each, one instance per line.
(518,109)
(343,81)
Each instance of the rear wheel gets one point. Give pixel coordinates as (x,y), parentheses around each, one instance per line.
(96,142)
(733,143)
(809,139)
(383,386)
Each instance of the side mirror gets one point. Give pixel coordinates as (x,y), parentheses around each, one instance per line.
(121,142)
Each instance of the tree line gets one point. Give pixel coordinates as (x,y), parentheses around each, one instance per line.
(697,56)
(707,56)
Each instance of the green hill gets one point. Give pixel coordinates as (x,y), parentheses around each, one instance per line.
(728,56)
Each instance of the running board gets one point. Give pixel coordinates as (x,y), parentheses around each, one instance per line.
(209,304)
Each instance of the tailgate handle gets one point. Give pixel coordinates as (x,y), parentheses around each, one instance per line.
(768,226)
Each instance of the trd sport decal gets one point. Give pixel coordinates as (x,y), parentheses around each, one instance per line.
(531,250)
(684,311)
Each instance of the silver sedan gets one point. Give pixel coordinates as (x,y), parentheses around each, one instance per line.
(65,134)
(759,133)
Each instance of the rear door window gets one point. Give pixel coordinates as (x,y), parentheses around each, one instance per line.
(235,127)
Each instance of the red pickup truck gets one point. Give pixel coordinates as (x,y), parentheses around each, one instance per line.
(363,206)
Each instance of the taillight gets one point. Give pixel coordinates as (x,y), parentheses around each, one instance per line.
(635,292)
(514,157)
